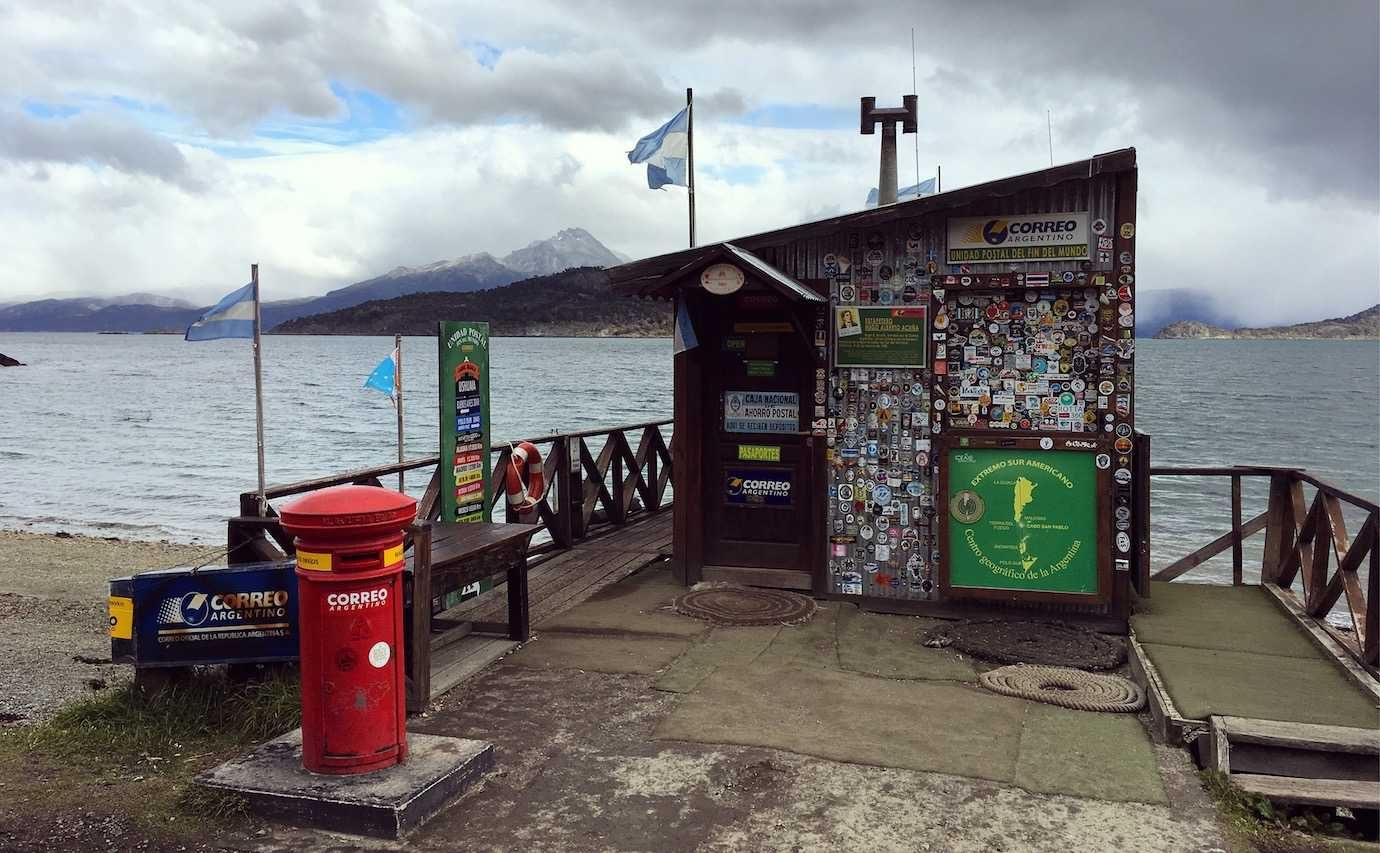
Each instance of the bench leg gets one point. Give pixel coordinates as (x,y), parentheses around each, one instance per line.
(518,628)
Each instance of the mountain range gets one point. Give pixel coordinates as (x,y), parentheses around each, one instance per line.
(573,303)
(1363,325)
(141,312)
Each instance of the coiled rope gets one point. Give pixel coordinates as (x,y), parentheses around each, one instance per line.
(1070,688)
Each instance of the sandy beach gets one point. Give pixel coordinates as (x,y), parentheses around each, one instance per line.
(53,614)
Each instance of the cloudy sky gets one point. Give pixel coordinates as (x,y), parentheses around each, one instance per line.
(157,145)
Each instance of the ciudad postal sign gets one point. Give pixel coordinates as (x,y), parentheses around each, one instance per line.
(1028,237)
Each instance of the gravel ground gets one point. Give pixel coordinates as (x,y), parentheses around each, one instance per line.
(53,642)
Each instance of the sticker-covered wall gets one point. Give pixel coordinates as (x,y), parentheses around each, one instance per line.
(1011,316)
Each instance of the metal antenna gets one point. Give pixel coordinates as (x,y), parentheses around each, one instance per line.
(1049,127)
(914,91)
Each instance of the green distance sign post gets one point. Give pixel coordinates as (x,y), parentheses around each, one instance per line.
(879,337)
(463,350)
(1022,520)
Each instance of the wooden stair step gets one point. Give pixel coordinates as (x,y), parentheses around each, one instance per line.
(1301,735)
(1311,792)
(1238,745)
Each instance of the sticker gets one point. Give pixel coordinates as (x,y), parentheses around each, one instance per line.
(758,453)
(757,486)
(1123,445)
(1128,230)
(967,507)
(1046,443)
(313,562)
(1123,542)
(121,617)
(1122,476)
(393,555)
(379,654)
(1099,226)
(1104,461)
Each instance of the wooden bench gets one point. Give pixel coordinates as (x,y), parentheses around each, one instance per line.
(447,556)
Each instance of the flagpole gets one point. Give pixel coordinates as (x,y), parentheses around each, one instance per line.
(398,401)
(690,140)
(258,389)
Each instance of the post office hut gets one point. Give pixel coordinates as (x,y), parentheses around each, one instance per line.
(923,407)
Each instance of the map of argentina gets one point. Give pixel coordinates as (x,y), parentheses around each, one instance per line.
(1023,520)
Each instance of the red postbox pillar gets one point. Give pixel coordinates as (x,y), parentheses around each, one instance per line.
(349,577)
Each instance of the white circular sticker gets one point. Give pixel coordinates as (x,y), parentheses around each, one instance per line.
(379,654)
(1123,542)
(1046,443)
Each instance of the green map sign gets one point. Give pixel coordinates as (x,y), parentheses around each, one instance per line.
(1022,520)
(879,337)
(464,393)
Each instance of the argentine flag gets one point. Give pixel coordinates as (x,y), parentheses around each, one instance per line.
(232,317)
(665,151)
(910,193)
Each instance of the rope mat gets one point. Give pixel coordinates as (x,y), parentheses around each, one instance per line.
(1030,641)
(737,605)
(1070,688)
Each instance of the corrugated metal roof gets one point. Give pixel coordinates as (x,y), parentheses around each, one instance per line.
(639,278)
(774,276)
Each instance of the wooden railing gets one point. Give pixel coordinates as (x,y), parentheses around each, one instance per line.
(592,485)
(1305,540)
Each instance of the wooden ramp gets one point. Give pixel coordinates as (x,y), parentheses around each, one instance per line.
(555,583)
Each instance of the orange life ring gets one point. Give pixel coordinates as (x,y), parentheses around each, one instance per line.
(524,481)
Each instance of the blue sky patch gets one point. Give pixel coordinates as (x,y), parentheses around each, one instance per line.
(800,117)
(368,117)
(43,109)
(484,53)
(742,173)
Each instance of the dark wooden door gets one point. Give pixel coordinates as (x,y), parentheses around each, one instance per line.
(758,484)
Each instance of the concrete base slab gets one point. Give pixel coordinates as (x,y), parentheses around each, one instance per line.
(385,804)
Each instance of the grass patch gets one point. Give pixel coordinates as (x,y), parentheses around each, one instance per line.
(1271,828)
(136,753)
(202,714)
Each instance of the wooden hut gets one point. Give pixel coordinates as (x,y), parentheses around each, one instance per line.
(924,407)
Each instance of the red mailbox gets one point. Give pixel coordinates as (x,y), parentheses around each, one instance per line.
(350,597)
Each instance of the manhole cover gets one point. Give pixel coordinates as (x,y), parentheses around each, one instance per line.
(736,605)
(1069,688)
(1025,641)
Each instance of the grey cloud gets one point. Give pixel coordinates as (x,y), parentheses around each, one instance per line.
(85,138)
(1292,85)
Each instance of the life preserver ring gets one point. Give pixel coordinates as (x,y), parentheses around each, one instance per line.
(524,481)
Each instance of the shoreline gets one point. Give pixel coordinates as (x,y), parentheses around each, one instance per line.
(53,591)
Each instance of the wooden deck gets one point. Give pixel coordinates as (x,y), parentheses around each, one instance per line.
(555,583)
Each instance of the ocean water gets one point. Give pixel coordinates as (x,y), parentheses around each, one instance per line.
(146,436)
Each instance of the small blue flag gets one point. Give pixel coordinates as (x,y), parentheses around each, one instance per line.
(666,151)
(910,193)
(232,317)
(384,376)
(685,330)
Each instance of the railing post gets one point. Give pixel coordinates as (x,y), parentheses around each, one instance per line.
(1371,630)
(1276,534)
(573,501)
(617,514)
(562,506)
(1236,549)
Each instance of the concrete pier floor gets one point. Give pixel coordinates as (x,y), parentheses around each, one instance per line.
(623,726)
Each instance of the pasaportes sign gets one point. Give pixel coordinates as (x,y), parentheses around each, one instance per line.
(215,614)
(464,394)
(1027,237)
(1022,520)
